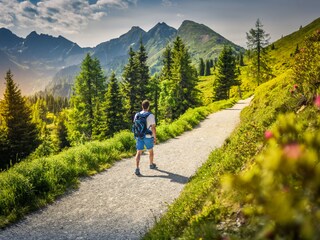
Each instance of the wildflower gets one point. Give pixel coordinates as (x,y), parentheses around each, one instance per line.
(291,91)
(295,86)
(268,134)
(317,102)
(292,151)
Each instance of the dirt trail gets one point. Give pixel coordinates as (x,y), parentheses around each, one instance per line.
(116,204)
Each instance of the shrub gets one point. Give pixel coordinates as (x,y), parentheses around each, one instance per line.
(280,193)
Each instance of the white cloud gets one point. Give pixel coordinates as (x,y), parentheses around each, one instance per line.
(58,15)
(167,3)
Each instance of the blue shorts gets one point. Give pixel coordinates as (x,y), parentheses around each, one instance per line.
(148,142)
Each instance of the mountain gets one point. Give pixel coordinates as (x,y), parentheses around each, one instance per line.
(47,48)
(34,60)
(202,41)
(41,60)
(117,49)
(8,40)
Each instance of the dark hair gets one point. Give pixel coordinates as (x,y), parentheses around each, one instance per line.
(145,104)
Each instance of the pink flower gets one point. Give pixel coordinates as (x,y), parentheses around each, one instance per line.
(291,91)
(317,102)
(292,151)
(268,134)
(295,86)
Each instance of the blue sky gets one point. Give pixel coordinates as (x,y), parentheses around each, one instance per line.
(90,22)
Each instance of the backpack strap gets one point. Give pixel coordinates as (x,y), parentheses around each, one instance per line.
(146,115)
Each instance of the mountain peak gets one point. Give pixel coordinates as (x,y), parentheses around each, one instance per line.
(136,28)
(162,30)
(8,39)
(5,30)
(161,24)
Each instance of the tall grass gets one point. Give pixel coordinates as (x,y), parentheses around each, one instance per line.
(32,184)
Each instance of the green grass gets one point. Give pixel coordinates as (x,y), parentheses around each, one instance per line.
(283,55)
(31,184)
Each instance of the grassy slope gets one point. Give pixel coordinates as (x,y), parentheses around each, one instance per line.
(202,211)
(286,46)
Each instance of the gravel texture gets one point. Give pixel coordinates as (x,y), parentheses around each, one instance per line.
(116,204)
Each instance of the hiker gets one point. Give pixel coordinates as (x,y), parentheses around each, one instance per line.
(145,134)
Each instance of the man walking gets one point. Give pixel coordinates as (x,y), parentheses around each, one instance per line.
(148,137)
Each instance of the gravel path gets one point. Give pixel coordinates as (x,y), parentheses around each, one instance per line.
(116,204)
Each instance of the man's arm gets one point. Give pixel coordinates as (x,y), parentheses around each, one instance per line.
(154,133)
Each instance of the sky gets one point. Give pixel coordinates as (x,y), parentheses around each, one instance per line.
(90,22)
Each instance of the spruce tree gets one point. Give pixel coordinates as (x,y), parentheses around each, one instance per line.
(21,134)
(60,132)
(258,39)
(185,76)
(201,67)
(155,94)
(136,81)
(88,94)
(166,96)
(129,88)
(207,68)
(226,74)
(178,82)
(113,108)
(143,73)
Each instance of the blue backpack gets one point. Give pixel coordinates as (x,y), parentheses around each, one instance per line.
(139,127)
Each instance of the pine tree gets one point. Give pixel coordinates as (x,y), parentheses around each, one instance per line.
(297,49)
(88,94)
(60,132)
(143,73)
(178,82)
(201,67)
(155,94)
(113,108)
(257,41)
(20,132)
(129,88)
(185,75)
(166,96)
(136,81)
(226,74)
(207,68)
(241,62)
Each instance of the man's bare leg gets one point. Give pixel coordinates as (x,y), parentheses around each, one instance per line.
(151,155)
(138,155)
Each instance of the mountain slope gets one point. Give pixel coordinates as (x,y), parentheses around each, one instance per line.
(202,41)
(117,49)
(283,54)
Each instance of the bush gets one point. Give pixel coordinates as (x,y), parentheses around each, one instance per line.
(281,191)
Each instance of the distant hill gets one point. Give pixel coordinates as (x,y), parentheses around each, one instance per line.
(41,60)
(202,41)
